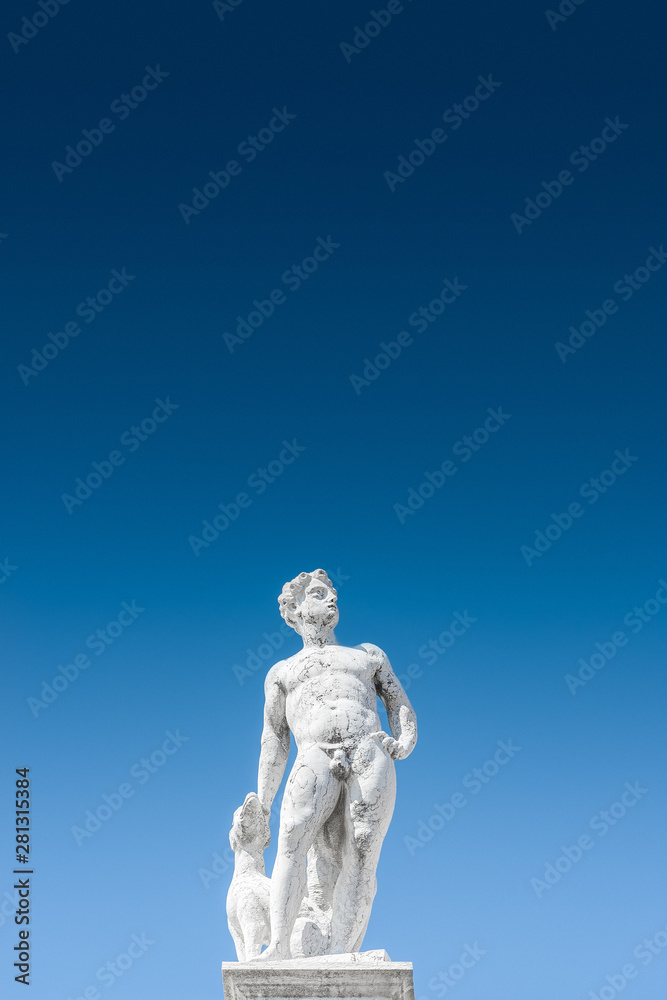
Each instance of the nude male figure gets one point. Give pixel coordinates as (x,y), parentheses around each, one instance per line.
(340,793)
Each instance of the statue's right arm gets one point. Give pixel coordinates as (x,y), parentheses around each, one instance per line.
(275,740)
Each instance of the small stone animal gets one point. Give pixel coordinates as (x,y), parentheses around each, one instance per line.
(248,912)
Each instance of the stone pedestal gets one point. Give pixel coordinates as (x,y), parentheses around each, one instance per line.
(360,976)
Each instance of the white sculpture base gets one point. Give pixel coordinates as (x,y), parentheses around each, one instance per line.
(368,975)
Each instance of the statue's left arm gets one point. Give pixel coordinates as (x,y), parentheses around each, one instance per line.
(275,740)
(400,713)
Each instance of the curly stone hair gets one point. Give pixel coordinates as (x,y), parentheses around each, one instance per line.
(294,589)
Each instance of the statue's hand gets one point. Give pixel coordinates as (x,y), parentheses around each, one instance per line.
(394,748)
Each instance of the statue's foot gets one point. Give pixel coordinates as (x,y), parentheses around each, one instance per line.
(273,953)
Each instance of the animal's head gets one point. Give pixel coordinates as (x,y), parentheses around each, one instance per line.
(250,827)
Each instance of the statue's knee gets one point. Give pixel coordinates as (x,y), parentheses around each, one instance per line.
(365,837)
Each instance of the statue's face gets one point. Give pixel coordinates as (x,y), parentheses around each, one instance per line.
(317,605)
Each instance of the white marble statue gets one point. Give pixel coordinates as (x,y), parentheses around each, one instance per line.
(339,796)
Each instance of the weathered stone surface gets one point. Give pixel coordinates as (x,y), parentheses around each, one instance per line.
(355,976)
(339,796)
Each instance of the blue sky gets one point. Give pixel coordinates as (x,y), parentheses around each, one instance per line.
(442,388)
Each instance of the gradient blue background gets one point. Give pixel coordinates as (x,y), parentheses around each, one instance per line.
(174,668)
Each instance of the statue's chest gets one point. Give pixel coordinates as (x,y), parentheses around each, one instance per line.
(333,664)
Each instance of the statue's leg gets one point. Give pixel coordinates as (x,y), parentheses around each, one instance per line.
(313,923)
(310,797)
(256,936)
(371,795)
(239,942)
(325,856)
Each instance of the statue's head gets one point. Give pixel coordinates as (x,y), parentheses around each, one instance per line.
(309,597)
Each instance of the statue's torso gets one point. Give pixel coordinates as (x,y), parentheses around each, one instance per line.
(330,694)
